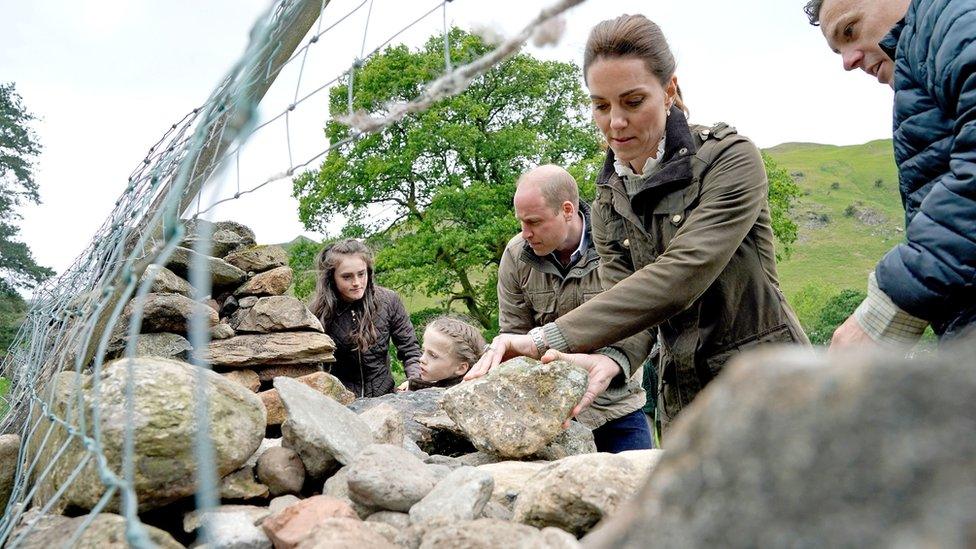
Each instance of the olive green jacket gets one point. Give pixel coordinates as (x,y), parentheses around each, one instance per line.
(533,291)
(689,250)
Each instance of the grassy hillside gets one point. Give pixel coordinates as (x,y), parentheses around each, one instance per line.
(849,213)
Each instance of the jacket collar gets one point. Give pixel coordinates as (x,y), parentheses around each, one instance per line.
(889,44)
(416,384)
(548,265)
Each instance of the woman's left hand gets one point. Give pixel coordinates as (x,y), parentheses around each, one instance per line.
(503,347)
(601,369)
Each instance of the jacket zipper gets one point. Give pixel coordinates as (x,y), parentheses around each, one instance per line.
(359,355)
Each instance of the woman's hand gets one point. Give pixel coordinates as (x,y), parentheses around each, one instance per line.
(503,347)
(601,369)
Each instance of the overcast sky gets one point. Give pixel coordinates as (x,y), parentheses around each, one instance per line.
(107,77)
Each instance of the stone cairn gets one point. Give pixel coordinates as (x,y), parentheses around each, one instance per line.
(302,463)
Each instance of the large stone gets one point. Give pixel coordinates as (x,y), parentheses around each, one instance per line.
(225,236)
(268,373)
(490,534)
(385,422)
(426,422)
(388,477)
(576,492)
(258,258)
(259,349)
(221,331)
(510,478)
(319,429)
(344,533)
(168,313)
(163,345)
(281,470)
(518,407)
(577,439)
(164,419)
(193,520)
(9,449)
(288,527)
(275,314)
(643,460)
(235,531)
(794,448)
(222,274)
(270,283)
(281,502)
(106,531)
(395,519)
(266,444)
(461,495)
(241,485)
(165,281)
(324,383)
(337,486)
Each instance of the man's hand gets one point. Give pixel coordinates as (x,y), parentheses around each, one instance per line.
(850,334)
(403,386)
(503,347)
(600,368)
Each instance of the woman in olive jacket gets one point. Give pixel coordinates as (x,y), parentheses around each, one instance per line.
(362,318)
(681,223)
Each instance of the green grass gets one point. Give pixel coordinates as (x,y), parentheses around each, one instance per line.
(4,388)
(839,255)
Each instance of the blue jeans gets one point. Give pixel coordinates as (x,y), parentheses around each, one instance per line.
(630,432)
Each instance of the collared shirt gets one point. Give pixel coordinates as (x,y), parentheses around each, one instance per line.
(584,244)
(628,175)
(884,321)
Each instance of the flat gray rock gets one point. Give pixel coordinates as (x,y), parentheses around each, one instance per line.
(319,429)
(167,313)
(9,448)
(222,274)
(225,236)
(258,258)
(461,495)
(165,281)
(275,314)
(165,345)
(517,408)
(273,282)
(388,477)
(271,349)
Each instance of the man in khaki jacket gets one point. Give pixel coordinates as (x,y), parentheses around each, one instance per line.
(549,269)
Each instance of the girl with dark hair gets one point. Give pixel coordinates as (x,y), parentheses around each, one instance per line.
(362,317)
(681,222)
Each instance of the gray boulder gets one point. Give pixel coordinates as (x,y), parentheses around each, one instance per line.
(235,531)
(225,236)
(164,345)
(275,314)
(241,485)
(398,520)
(793,448)
(576,492)
(9,449)
(193,520)
(258,259)
(492,534)
(165,281)
(270,349)
(518,407)
(319,429)
(509,479)
(222,274)
(281,470)
(426,422)
(164,415)
(386,424)
(221,331)
(167,313)
(575,440)
(273,282)
(461,495)
(106,531)
(384,476)
(268,373)
(344,533)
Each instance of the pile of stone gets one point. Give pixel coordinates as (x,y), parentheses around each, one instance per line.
(257,332)
(393,471)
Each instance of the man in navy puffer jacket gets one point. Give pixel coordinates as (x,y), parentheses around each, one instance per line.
(925,50)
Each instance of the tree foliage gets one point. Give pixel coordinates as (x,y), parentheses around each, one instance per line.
(783,191)
(18,148)
(433,193)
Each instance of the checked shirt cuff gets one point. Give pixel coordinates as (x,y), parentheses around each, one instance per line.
(884,321)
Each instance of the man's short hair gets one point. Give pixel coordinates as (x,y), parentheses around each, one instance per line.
(812,9)
(555,184)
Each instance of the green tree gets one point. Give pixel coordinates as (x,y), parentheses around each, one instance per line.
(18,148)
(433,192)
(783,191)
(834,312)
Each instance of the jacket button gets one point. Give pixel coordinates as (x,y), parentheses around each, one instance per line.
(626,243)
(682,150)
(676,218)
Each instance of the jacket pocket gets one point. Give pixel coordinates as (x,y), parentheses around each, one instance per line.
(543,301)
(779,334)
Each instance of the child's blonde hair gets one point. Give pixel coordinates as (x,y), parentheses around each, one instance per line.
(467,339)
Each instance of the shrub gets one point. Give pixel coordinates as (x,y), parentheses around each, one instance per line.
(878,183)
(834,312)
(835,185)
(850,210)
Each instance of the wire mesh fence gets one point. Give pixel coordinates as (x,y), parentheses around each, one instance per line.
(76,454)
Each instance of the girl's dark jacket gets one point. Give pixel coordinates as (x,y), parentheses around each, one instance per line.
(367,373)
(690,252)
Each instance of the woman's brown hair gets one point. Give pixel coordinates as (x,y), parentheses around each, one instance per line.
(326,303)
(637,37)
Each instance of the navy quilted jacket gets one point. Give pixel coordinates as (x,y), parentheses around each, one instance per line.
(932,274)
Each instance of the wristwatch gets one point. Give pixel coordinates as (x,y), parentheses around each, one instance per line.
(539,338)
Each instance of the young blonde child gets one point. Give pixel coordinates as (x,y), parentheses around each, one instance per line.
(450,347)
